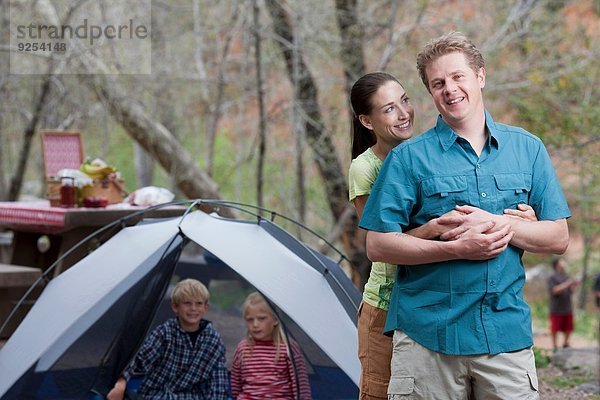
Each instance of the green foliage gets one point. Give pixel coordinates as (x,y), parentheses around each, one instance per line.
(569,381)
(225,294)
(116,151)
(542,357)
(542,53)
(586,322)
(539,313)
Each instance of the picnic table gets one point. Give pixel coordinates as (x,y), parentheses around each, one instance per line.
(42,234)
(64,227)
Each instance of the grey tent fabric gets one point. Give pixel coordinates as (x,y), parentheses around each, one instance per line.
(286,279)
(307,286)
(77,298)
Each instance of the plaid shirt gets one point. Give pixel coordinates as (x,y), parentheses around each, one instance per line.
(174,368)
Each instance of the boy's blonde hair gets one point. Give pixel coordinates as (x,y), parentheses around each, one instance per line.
(189,289)
(256,299)
(449,43)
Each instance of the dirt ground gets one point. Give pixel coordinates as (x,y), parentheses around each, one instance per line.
(549,375)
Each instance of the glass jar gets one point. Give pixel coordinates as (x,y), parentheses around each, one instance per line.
(68,195)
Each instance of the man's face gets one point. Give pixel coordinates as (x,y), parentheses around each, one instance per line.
(455,88)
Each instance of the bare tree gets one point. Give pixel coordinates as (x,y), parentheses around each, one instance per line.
(351,33)
(298,126)
(144,166)
(203,70)
(155,139)
(324,153)
(216,106)
(17,180)
(262,118)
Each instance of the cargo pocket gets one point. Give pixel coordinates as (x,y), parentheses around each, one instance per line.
(401,386)
(446,192)
(533,380)
(375,387)
(513,189)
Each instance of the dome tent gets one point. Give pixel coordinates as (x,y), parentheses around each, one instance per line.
(89,321)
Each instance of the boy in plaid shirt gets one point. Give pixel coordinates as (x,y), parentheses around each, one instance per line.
(184,357)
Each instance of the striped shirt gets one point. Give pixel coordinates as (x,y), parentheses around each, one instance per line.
(256,375)
(174,368)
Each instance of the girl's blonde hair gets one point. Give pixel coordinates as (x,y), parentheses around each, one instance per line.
(256,299)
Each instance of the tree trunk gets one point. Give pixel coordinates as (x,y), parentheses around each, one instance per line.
(587,249)
(299,134)
(324,153)
(351,32)
(262,118)
(144,166)
(17,180)
(156,140)
(352,56)
(216,107)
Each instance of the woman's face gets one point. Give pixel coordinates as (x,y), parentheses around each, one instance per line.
(392,115)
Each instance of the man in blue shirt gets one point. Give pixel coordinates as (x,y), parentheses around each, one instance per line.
(461,325)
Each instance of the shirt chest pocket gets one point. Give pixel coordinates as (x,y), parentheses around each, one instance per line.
(442,194)
(513,189)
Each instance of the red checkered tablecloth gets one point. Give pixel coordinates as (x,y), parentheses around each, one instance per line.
(32,216)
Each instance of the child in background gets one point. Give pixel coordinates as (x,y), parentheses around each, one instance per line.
(184,357)
(265,365)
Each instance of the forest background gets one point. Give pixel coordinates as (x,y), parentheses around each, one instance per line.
(247,100)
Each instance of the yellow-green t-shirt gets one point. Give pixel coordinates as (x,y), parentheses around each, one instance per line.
(363,172)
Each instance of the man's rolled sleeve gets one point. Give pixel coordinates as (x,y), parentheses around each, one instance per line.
(391,199)
(547,197)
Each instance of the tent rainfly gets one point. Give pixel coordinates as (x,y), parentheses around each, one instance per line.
(88,322)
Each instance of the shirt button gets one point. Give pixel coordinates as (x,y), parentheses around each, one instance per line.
(492,283)
(484,194)
(477,166)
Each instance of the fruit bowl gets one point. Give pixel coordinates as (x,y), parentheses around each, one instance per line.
(95,202)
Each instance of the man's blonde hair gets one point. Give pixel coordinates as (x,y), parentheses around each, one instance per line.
(189,289)
(449,43)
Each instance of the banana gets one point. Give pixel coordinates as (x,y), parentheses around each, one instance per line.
(96,170)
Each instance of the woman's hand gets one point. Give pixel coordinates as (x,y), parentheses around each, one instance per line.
(523,212)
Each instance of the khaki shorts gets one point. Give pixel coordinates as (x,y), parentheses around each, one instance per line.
(374,352)
(419,373)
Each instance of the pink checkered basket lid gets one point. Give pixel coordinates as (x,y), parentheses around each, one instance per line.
(61,149)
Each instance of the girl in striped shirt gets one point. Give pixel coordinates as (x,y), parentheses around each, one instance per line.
(265,364)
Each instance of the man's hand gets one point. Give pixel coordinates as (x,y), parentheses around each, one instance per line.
(482,241)
(433,228)
(575,283)
(466,218)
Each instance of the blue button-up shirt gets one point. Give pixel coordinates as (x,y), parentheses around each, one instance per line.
(463,307)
